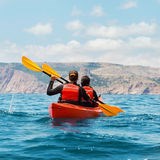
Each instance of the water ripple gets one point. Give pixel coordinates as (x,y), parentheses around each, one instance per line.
(29,133)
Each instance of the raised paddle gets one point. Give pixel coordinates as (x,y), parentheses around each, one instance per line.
(48,69)
(111,110)
(34,66)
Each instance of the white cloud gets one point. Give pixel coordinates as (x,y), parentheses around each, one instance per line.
(141,50)
(75,26)
(144,42)
(10,52)
(103,45)
(129,4)
(40,29)
(134,44)
(73,44)
(69,52)
(97,11)
(141,28)
(112,31)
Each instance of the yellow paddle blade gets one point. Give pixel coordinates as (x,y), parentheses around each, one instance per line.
(46,68)
(108,114)
(107,111)
(114,108)
(30,64)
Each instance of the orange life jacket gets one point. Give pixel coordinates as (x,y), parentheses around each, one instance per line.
(89,91)
(70,92)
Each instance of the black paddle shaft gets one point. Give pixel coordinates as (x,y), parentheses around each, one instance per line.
(50,76)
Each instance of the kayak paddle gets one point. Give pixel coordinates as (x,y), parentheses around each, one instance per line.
(106,111)
(30,64)
(34,66)
(50,70)
(114,109)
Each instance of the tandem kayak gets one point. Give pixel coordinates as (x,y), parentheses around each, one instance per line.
(67,110)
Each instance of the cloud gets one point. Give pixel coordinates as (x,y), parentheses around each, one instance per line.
(134,51)
(10,52)
(97,11)
(135,29)
(129,4)
(59,52)
(40,29)
(140,50)
(103,44)
(144,42)
(75,25)
(134,44)
(112,31)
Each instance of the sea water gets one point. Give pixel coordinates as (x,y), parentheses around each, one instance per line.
(27,131)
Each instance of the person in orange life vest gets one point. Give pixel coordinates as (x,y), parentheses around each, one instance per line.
(85,83)
(69,92)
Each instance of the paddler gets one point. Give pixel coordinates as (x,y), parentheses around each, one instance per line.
(85,83)
(69,92)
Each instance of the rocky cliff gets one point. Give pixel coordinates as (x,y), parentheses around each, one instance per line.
(16,81)
(105,77)
(121,79)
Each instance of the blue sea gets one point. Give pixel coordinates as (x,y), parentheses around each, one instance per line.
(27,131)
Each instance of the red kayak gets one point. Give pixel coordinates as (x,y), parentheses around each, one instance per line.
(67,110)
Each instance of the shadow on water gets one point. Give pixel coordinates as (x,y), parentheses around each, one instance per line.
(71,125)
(68,121)
(64,124)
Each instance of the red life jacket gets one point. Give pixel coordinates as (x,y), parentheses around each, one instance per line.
(70,92)
(89,91)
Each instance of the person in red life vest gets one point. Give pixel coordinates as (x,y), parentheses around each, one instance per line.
(85,83)
(69,92)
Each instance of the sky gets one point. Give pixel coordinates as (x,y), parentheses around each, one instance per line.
(114,31)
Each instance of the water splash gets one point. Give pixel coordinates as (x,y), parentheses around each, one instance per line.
(11,104)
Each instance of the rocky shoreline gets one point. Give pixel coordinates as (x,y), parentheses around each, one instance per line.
(105,77)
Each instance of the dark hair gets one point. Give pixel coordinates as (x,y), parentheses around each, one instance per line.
(85,81)
(73,75)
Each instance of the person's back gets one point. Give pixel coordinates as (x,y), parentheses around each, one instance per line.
(85,83)
(70,92)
